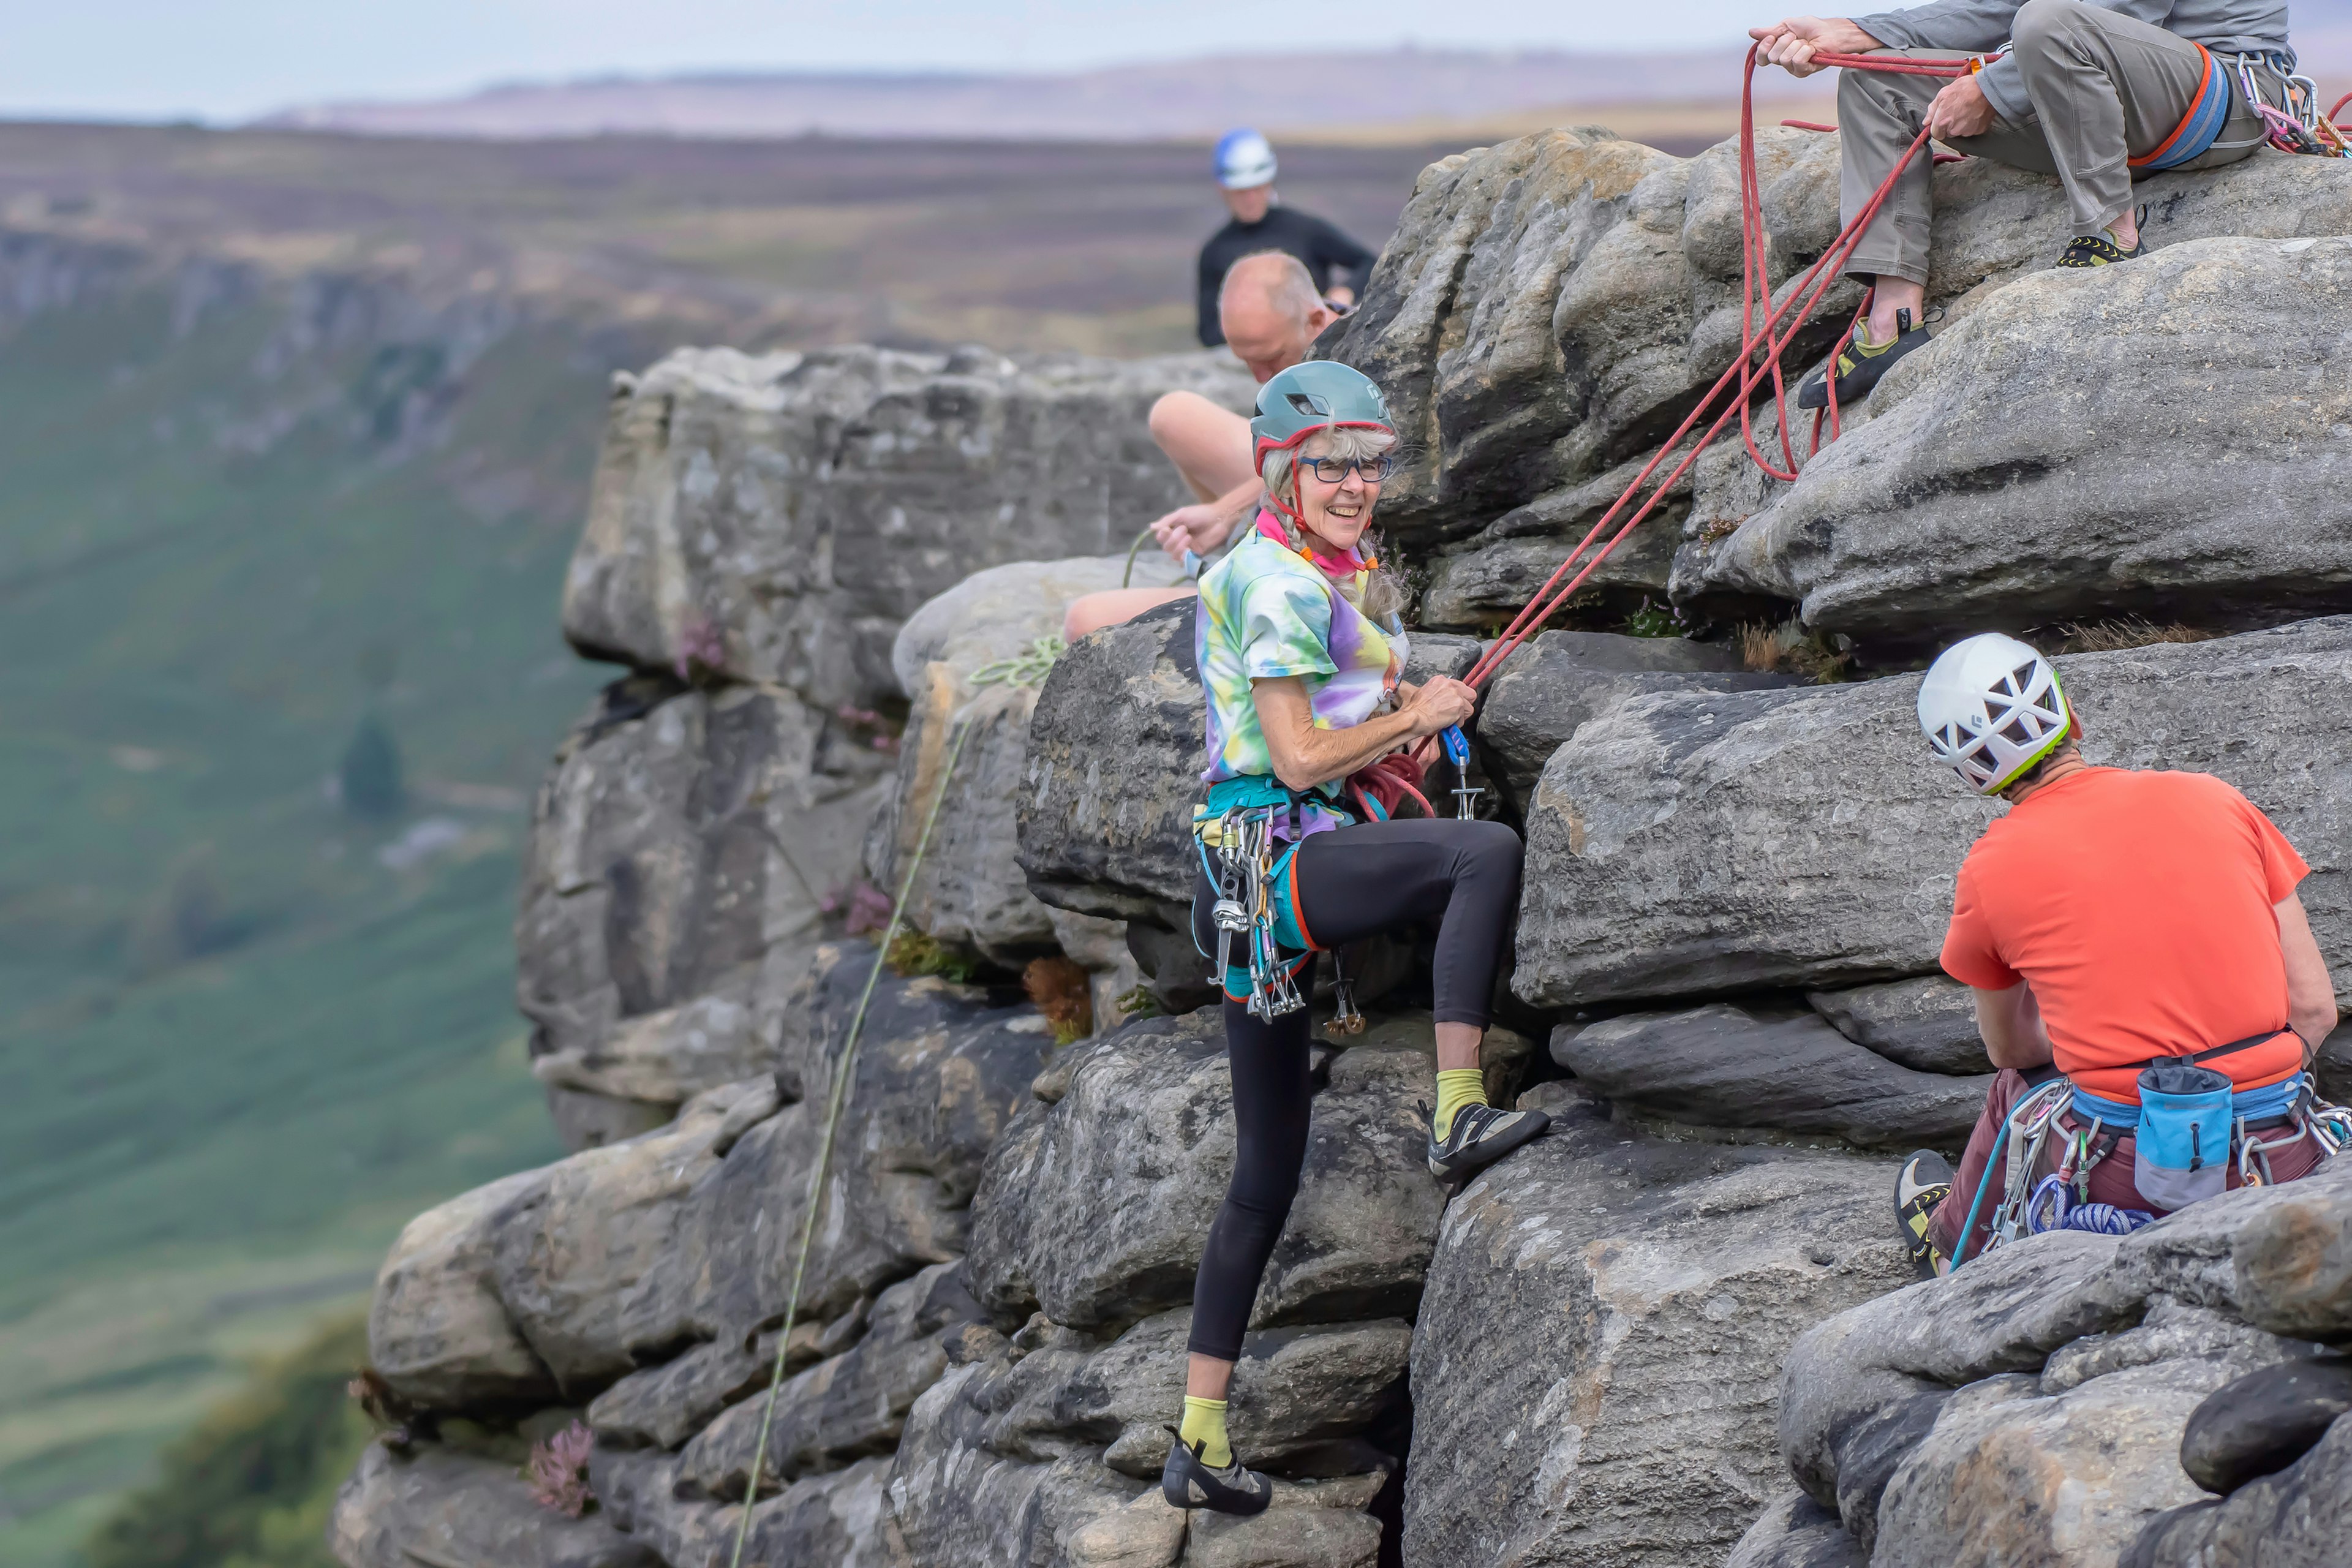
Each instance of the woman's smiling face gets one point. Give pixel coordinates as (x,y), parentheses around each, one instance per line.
(1336,512)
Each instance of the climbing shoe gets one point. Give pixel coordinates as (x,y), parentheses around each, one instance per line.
(1859,366)
(1924,1182)
(1481,1136)
(1186,1482)
(2100,249)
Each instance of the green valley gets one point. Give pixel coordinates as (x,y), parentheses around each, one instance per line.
(294,437)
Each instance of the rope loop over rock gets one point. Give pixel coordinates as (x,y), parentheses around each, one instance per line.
(1765,331)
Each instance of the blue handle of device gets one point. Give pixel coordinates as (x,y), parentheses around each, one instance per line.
(1457,745)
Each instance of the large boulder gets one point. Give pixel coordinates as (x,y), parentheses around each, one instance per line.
(680,857)
(830,1521)
(1548,687)
(1544,310)
(2167,441)
(1114,766)
(846,1406)
(445,1505)
(1044,1451)
(2030,1407)
(941,1069)
(1133,1151)
(1595,1367)
(1551,306)
(1684,844)
(1002,623)
(775,518)
(2297,1518)
(437,1331)
(1928,1022)
(591,1269)
(624,1257)
(1758,1066)
(1486,580)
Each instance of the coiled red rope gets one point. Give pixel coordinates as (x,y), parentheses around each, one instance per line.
(1765,332)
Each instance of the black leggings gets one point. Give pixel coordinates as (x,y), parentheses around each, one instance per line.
(1352,882)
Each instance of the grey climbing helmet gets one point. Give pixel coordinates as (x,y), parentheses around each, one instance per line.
(1319,394)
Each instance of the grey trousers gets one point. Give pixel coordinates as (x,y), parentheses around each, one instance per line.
(2104,89)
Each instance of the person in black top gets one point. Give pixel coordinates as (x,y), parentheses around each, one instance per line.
(1244,165)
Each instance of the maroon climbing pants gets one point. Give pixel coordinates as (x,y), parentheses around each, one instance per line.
(2111,1178)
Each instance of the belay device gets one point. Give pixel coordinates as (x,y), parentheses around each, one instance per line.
(1457,752)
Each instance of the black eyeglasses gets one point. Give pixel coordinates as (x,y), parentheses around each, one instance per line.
(1332,470)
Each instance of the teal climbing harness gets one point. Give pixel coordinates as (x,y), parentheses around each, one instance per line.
(1248,833)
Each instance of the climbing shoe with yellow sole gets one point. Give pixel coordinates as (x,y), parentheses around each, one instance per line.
(1859,365)
(1186,1482)
(2100,249)
(1924,1182)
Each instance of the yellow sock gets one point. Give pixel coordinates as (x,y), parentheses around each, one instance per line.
(1205,1423)
(1457,1087)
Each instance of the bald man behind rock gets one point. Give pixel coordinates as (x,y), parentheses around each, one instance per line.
(1271,315)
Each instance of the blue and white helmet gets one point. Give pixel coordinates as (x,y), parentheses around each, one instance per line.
(1245,161)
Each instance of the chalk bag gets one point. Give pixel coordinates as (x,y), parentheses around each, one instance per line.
(2183,1144)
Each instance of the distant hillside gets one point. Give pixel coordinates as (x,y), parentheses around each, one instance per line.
(1176,99)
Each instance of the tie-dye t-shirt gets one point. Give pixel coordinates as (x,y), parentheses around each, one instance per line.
(1267,611)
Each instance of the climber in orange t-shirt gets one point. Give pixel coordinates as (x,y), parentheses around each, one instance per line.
(2114,920)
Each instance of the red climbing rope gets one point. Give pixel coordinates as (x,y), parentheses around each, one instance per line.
(1763,339)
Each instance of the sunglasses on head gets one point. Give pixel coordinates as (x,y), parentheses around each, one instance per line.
(1332,470)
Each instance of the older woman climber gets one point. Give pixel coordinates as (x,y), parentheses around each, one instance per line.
(1300,650)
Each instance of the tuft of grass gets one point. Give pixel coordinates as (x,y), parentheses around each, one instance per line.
(1138,1002)
(1655,620)
(2123,632)
(1792,648)
(914,953)
(1064,993)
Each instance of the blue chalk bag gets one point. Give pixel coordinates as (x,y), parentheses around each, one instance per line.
(2183,1138)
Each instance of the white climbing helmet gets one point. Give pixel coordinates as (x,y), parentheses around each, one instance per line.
(1245,161)
(1991,709)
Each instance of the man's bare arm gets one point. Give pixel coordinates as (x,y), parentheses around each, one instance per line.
(1204,525)
(2310,993)
(2011,1023)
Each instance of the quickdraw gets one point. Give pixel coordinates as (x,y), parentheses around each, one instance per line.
(1243,878)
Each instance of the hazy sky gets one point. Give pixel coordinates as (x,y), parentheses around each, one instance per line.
(226,59)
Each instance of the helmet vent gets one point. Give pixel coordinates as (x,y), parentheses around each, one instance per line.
(1308,403)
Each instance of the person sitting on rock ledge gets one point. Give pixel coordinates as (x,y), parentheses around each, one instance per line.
(1299,651)
(2094,93)
(2132,937)
(1272,315)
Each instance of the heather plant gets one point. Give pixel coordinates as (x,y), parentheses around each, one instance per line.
(558,1472)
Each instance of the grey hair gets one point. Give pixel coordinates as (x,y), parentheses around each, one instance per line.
(1384,593)
(1281,277)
